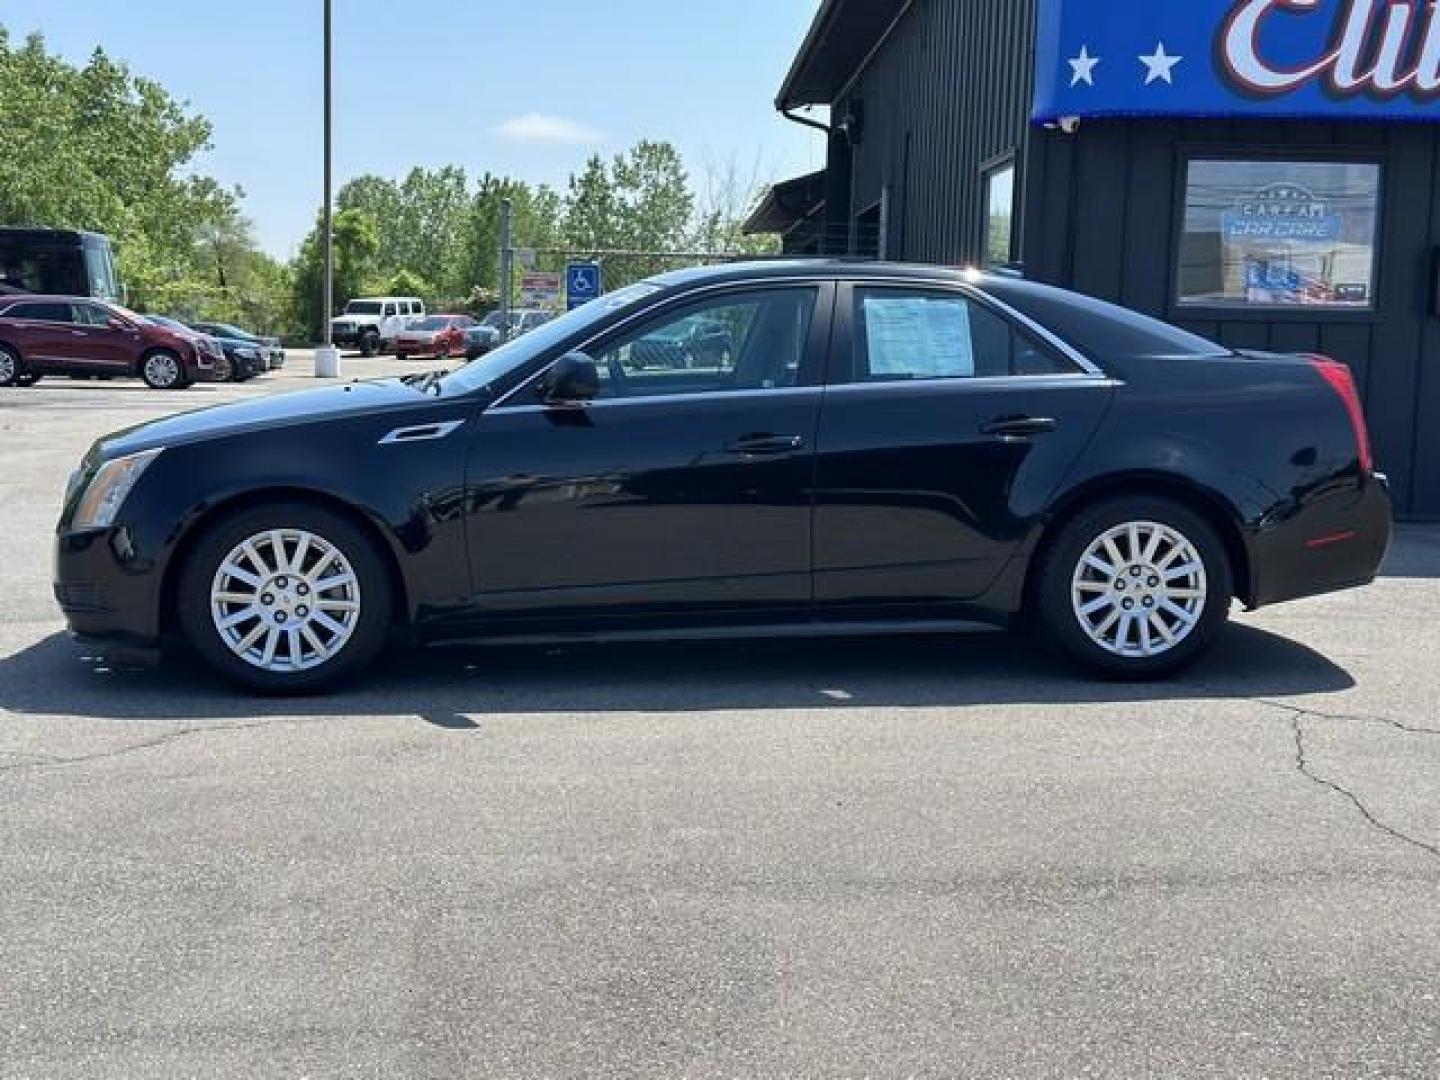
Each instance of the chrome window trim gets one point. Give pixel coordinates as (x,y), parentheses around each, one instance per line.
(1089,372)
(705,395)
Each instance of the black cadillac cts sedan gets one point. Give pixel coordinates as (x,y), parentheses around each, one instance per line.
(880,449)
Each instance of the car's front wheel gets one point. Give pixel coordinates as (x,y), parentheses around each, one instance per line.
(369,345)
(287,598)
(1135,588)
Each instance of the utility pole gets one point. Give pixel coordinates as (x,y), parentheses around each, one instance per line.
(327,359)
(507,265)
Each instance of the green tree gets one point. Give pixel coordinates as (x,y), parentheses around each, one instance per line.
(96,147)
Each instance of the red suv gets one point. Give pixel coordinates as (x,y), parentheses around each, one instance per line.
(70,335)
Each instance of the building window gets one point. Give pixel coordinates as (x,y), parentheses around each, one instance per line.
(1000,215)
(1267,234)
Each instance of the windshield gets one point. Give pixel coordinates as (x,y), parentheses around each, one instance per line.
(492,320)
(235,332)
(430,324)
(508,357)
(160,320)
(362,307)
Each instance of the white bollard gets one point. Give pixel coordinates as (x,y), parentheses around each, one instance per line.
(327,362)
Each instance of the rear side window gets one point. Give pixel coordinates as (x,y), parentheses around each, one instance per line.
(907,335)
(1098,329)
(40,312)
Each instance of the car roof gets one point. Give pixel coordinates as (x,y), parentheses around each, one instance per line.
(52,298)
(762,269)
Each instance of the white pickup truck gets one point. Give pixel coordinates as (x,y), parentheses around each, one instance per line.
(372,324)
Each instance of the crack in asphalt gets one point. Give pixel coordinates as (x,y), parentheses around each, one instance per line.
(144,744)
(1298,714)
(1305,768)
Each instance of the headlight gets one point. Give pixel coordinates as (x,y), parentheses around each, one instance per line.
(108,490)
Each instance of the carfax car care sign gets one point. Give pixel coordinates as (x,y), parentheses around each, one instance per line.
(1293,58)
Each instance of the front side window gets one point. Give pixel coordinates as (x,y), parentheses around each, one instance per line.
(905,335)
(1266,234)
(747,341)
(91,315)
(1000,216)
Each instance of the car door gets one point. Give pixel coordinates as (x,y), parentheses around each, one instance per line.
(674,492)
(947,426)
(106,348)
(42,330)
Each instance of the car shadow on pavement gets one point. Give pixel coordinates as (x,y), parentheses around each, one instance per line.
(448,686)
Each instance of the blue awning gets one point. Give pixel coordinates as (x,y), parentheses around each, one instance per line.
(1335,59)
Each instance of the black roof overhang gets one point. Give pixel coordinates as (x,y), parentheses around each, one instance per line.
(787,204)
(843,35)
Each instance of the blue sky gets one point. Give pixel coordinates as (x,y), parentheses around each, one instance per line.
(528,89)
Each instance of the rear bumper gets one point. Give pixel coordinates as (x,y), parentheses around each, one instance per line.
(1335,540)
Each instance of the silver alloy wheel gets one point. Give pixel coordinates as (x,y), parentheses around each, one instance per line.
(1140,589)
(7,367)
(162,370)
(285,600)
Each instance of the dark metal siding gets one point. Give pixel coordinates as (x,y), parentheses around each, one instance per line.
(947,93)
(1101,218)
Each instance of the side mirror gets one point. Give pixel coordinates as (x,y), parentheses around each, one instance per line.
(572,382)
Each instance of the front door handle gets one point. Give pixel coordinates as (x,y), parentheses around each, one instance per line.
(1019,427)
(766,445)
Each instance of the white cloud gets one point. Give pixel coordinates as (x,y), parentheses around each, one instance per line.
(537,127)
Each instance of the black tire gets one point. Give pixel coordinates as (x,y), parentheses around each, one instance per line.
(12,368)
(1057,611)
(152,376)
(376,599)
(369,345)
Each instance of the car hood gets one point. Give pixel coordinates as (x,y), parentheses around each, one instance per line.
(279,410)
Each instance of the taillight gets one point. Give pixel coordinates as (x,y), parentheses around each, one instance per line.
(1343,383)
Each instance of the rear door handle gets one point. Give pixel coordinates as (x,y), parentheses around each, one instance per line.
(766,445)
(1019,427)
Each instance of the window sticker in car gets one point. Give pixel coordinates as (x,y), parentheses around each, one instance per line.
(918,337)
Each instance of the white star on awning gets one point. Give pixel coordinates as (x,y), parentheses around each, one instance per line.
(1159,66)
(1082,67)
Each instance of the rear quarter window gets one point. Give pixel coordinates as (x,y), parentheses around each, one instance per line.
(1098,329)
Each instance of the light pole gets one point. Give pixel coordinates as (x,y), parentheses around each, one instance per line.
(327,358)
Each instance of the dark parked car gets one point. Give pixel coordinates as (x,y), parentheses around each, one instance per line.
(225,367)
(486,337)
(271,350)
(695,342)
(65,335)
(893,449)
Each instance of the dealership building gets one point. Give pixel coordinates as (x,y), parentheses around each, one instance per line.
(1263,172)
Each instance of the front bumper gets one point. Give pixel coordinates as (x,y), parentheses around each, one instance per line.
(104,590)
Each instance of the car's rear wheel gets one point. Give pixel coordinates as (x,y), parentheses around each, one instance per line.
(162,370)
(10,367)
(1135,588)
(287,598)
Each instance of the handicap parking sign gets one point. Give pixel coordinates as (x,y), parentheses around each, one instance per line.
(583,283)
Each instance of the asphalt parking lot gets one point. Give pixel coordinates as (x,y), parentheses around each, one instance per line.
(913,857)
